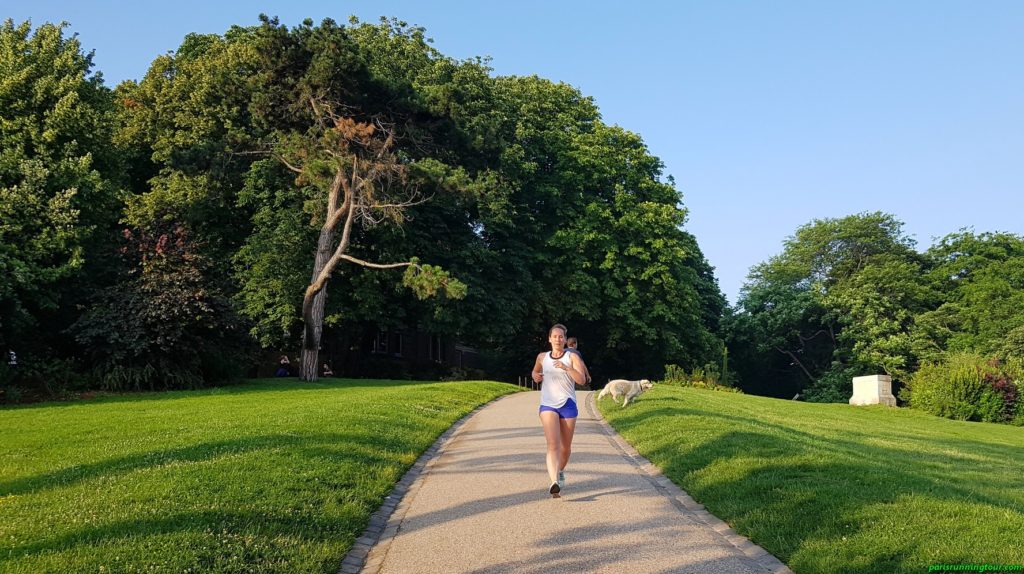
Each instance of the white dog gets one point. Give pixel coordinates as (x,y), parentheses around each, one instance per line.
(627,389)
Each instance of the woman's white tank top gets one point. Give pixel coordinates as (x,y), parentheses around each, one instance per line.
(557,387)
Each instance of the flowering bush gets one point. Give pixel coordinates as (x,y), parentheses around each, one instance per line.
(966,386)
(1005,398)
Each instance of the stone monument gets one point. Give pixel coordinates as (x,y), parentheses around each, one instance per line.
(873,390)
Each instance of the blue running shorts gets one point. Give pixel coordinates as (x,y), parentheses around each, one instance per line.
(566,411)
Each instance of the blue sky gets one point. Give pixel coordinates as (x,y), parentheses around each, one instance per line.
(768,114)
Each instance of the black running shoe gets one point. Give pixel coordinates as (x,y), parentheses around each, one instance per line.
(555,489)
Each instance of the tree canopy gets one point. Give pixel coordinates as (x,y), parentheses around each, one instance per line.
(59,181)
(540,210)
(851,296)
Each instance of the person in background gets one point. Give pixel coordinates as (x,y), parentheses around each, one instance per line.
(328,372)
(283,367)
(572,343)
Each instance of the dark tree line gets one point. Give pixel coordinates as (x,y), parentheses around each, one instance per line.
(165,233)
(852,296)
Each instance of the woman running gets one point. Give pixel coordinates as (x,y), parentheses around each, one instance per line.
(559,372)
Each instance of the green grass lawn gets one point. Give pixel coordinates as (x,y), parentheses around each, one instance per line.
(834,488)
(270,476)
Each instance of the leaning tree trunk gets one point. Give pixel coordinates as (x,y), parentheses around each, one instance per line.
(359,182)
(313,310)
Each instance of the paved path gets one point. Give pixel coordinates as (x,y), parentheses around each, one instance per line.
(478,503)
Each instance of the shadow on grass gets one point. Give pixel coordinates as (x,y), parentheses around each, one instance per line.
(403,434)
(252,526)
(786,506)
(332,513)
(355,447)
(280,385)
(893,461)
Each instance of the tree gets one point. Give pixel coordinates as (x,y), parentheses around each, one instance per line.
(181,128)
(981,279)
(366,181)
(58,192)
(841,297)
(591,236)
(513,167)
(637,279)
(877,307)
(781,336)
(311,68)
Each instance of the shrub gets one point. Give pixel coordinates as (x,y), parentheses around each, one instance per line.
(166,324)
(698,378)
(464,374)
(159,374)
(1001,400)
(966,387)
(835,386)
(674,375)
(56,377)
(11,394)
(9,391)
(40,377)
(1018,419)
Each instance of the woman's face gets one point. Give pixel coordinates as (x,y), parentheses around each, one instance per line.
(557,338)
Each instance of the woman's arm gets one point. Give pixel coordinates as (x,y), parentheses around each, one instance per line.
(585,371)
(538,369)
(576,369)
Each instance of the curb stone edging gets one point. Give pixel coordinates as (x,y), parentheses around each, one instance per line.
(367,554)
(682,501)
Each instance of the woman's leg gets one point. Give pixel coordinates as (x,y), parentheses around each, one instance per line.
(566,428)
(553,436)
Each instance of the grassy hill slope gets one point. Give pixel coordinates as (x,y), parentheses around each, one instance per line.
(833,488)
